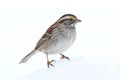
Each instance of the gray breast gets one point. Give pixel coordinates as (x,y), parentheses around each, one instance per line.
(61,40)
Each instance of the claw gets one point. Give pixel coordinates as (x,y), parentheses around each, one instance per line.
(49,63)
(64,57)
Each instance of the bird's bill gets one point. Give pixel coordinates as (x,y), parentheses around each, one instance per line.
(78,20)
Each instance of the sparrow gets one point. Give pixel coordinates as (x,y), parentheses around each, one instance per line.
(57,39)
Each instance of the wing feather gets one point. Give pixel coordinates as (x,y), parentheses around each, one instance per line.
(45,38)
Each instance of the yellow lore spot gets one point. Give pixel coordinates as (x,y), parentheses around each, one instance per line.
(73,18)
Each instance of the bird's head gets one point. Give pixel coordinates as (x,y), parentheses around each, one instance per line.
(68,19)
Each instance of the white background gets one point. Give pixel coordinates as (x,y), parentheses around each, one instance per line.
(22,23)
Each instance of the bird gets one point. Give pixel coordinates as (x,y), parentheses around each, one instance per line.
(58,38)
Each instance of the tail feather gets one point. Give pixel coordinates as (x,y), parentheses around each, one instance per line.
(28,56)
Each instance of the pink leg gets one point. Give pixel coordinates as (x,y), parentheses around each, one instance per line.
(49,63)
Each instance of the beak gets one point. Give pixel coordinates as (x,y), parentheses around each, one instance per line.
(78,20)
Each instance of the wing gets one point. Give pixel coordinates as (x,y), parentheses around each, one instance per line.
(45,38)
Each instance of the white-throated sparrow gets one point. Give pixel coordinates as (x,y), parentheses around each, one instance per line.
(58,38)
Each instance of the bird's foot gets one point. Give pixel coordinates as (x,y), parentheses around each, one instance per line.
(49,63)
(64,57)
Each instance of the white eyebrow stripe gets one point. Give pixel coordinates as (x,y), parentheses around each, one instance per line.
(67,17)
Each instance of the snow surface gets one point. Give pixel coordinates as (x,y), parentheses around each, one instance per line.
(80,68)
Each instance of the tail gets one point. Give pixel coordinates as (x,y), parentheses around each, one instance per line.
(28,56)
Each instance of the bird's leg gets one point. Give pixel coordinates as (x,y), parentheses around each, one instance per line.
(64,57)
(49,62)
